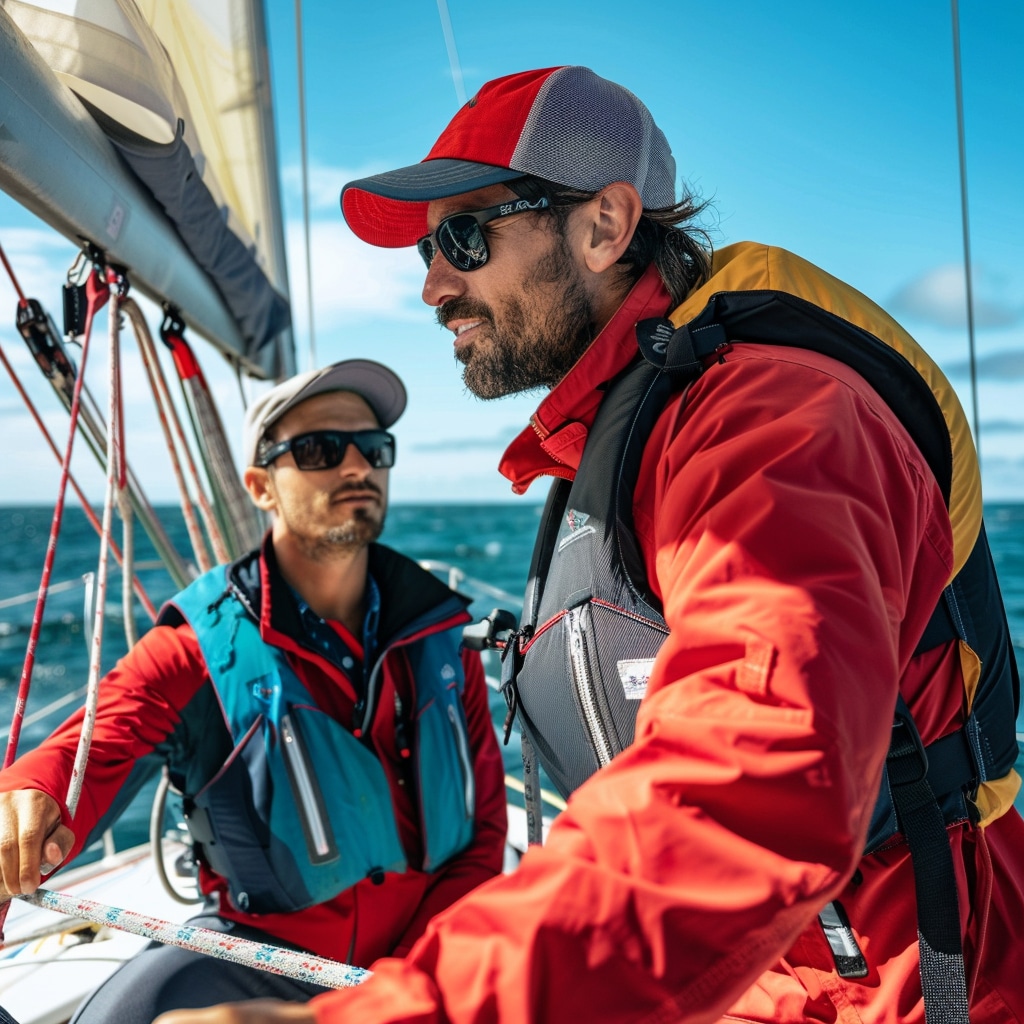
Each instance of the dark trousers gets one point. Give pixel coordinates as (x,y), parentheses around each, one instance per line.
(162,978)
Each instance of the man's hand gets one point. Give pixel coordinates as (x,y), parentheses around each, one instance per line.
(32,840)
(260,1011)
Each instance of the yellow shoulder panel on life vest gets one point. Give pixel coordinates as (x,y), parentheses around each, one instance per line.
(750,266)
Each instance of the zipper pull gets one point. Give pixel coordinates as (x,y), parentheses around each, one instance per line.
(401,733)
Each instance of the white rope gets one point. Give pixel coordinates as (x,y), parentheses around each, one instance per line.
(124,507)
(316,970)
(114,455)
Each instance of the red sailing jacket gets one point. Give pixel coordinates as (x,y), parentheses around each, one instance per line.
(798,543)
(142,703)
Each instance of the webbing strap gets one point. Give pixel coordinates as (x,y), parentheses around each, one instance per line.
(531,793)
(943,979)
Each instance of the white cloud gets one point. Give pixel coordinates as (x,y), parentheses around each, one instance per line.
(939,297)
(492,442)
(350,278)
(40,259)
(325,183)
(998,366)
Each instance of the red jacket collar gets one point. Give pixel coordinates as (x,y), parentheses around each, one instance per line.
(553,442)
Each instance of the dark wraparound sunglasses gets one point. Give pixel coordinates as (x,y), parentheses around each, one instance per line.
(460,239)
(325,449)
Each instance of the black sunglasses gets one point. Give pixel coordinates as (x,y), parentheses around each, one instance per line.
(325,449)
(459,238)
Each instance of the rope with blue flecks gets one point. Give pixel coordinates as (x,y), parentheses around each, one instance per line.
(315,970)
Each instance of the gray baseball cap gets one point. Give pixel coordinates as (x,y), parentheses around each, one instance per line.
(380,387)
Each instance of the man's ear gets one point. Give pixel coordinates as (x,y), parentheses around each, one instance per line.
(612,215)
(257,483)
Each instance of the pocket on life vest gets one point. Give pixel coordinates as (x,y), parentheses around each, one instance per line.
(340,803)
(447,788)
(230,819)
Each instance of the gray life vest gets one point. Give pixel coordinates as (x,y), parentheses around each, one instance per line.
(576,670)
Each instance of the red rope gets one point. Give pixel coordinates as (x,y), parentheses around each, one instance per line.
(97,295)
(140,591)
(14,279)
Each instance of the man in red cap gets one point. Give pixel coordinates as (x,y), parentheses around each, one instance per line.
(314,704)
(763,650)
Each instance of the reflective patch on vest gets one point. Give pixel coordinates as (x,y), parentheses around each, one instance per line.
(577,523)
(634,674)
(447,672)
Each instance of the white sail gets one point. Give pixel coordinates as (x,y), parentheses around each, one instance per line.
(181,90)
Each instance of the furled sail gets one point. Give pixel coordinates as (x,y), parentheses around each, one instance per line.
(181,89)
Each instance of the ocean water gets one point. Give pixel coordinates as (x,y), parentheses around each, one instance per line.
(489,544)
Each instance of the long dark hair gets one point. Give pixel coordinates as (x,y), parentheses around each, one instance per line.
(666,236)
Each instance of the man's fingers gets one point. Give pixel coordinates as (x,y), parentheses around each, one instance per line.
(29,821)
(57,846)
(261,1011)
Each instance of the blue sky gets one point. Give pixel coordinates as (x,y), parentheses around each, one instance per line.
(826,129)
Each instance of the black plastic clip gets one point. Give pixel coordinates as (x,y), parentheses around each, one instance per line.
(173,325)
(483,635)
(40,333)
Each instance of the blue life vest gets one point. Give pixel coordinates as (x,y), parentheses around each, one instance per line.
(301,810)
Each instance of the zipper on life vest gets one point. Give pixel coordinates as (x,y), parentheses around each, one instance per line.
(585,686)
(319,835)
(462,746)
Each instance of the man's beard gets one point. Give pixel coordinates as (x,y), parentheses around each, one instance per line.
(359,531)
(523,354)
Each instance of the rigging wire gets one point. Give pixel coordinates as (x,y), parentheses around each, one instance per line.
(965,220)
(301,72)
(453,53)
(168,415)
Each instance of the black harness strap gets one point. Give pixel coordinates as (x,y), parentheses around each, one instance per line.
(913,781)
(943,977)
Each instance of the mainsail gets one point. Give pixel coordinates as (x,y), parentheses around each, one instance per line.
(181,92)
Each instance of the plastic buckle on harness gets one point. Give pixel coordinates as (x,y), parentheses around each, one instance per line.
(510,662)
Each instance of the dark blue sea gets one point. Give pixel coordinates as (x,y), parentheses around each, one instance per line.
(489,544)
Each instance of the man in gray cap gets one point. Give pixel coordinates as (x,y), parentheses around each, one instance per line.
(314,704)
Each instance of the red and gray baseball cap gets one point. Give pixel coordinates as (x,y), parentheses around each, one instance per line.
(381,389)
(565,124)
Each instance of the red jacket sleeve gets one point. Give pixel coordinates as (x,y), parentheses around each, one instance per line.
(483,858)
(799,546)
(140,703)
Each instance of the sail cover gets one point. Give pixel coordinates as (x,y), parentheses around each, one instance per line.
(182,90)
